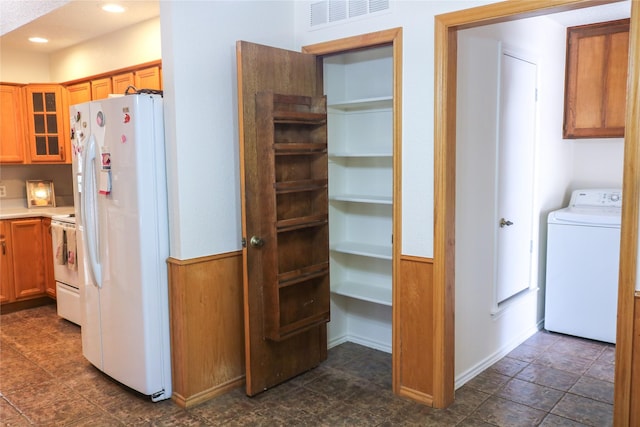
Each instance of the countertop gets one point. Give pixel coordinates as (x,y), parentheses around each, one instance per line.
(13,212)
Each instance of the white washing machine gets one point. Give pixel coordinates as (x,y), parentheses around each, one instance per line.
(583,253)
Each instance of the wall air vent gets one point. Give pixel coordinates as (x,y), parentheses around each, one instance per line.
(329,11)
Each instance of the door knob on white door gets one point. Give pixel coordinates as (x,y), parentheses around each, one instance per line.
(504,222)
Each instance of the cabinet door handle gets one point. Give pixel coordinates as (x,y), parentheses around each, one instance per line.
(4,247)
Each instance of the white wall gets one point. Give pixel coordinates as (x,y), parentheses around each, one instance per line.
(597,163)
(416,18)
(134,45)
(201,119)
(482,337)
(17,66)
(562,166)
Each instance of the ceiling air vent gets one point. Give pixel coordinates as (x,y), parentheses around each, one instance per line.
(328,11)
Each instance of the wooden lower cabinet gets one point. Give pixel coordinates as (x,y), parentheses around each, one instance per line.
(207,333)
(26,256)
(6,264)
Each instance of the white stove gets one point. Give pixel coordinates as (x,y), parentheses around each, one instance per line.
(67,218)
(67,250)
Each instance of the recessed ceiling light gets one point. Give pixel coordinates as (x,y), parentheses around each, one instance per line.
(38,40)
(113,8)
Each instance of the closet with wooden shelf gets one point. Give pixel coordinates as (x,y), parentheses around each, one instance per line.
(295,165)
(359,88)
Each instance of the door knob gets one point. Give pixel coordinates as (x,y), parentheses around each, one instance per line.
(504,222)
(256,242)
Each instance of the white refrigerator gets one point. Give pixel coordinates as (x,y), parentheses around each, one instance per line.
(121,208)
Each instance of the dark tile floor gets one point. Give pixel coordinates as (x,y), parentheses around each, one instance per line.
(550,380)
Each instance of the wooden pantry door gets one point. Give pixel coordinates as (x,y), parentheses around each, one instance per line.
(283,162)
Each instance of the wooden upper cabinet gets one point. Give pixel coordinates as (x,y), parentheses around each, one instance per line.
(46,118)
(143,76)
(101,88)
(121,82)
(79,93)
(12,125)
(596,80)
(148,78)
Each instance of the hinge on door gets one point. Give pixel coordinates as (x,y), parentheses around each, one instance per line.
(244,242)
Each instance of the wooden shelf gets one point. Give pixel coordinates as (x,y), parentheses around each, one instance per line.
(299,148)
(376,293)
(301,222)
(363,104)
(302,325)
(302,275)
(297,186)
(299,118)
(295,276)
(363,249)
(361,198)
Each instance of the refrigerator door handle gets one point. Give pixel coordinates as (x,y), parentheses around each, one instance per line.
(89,210)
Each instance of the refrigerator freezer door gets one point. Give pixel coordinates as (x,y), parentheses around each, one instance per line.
(131,239)
(89,295)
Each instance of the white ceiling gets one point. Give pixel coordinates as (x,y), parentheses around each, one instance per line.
(69,22)
(65,23)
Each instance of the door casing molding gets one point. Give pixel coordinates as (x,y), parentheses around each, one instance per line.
(446,28)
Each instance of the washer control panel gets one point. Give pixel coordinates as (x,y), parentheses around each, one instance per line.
(606,198)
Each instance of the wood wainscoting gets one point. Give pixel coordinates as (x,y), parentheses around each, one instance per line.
(413,355)
(207,332)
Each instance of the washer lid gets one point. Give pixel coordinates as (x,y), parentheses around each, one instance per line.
(587,216)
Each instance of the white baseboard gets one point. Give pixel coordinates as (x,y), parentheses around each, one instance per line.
(467,376)
(378,345)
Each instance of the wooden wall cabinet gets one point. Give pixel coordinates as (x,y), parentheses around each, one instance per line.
(148,78)
(47,124)
(12,126)
(79,93)
(25,263)
(143,76)
(101,88)
(596,80)
(122,81)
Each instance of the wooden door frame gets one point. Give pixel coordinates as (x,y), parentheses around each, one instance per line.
(446,27)
(391,37)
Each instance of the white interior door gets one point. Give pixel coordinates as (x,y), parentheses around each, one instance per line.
(515,175)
